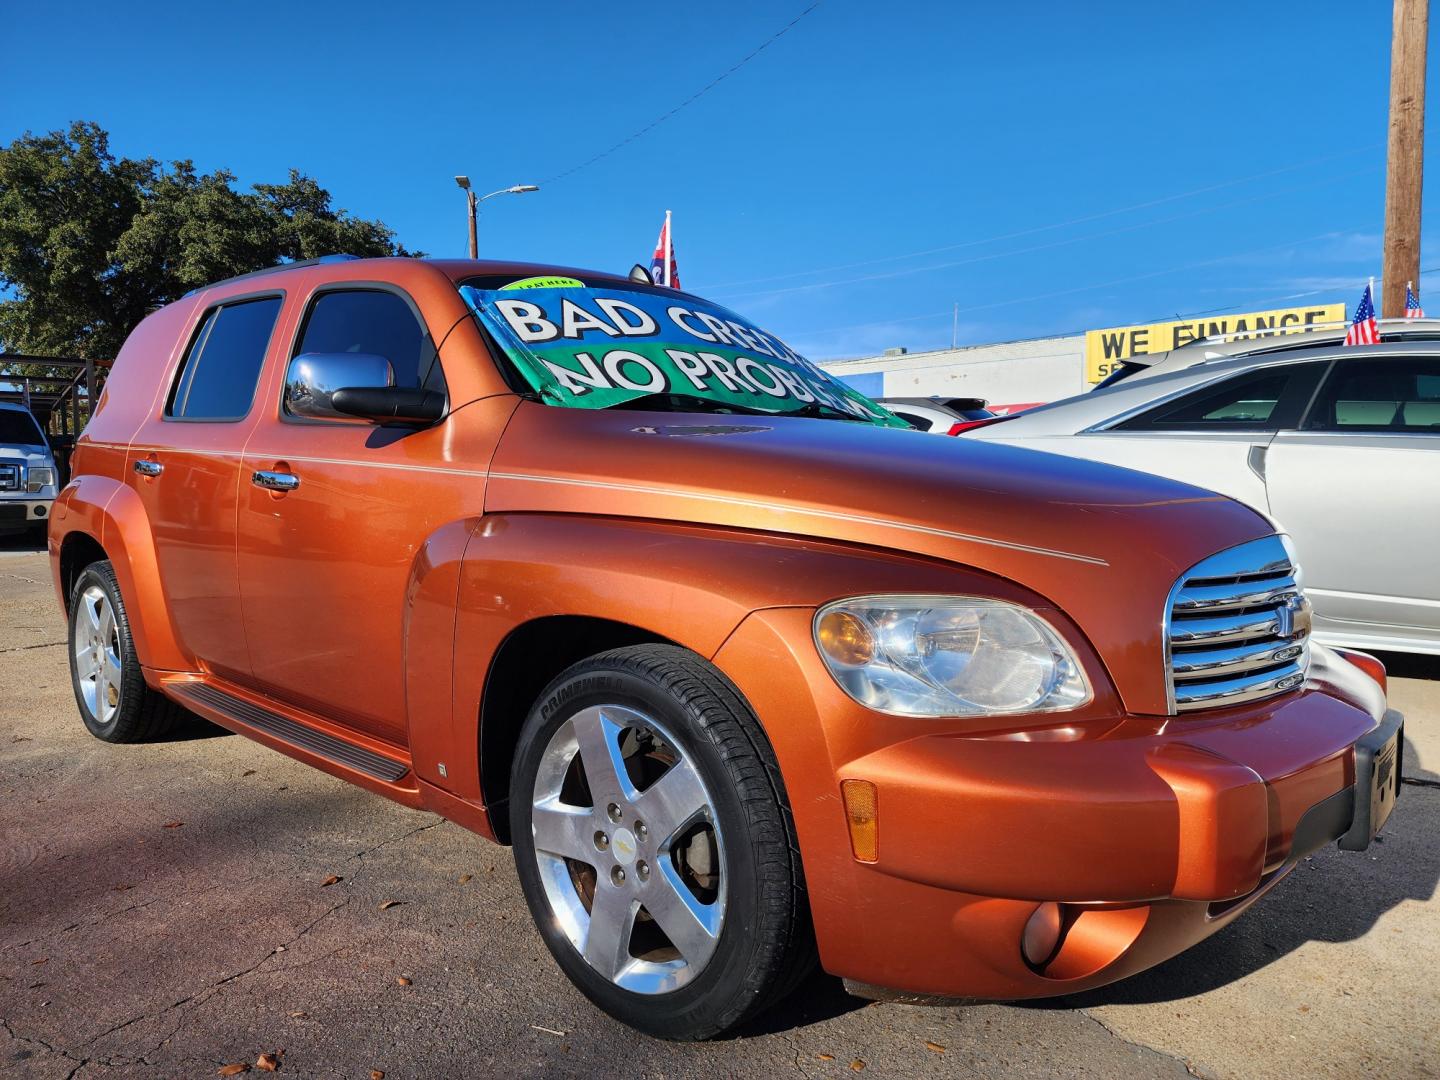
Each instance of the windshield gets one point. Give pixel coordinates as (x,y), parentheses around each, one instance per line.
(614,344)
(17,429)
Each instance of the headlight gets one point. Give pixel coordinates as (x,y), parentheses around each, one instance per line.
(39,477)
(948,656)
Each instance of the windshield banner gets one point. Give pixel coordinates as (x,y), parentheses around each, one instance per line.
(592,347)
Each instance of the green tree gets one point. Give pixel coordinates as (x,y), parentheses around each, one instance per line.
(89,244)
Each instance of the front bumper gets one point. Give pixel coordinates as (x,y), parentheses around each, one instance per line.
(16,514)
(1149,833)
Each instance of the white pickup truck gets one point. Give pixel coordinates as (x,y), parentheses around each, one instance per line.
(28,476)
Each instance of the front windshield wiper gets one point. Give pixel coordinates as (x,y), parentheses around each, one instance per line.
(695,403)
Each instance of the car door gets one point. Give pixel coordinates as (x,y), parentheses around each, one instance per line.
(1358,489)
(184,462)
(325,567)
(1215,436)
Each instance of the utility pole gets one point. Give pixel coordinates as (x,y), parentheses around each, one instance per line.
(474,239)
(1405,162)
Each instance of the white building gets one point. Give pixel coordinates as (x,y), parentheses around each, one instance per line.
(1006,373)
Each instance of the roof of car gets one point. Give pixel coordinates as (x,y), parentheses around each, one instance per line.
(1145,389)
(1236,346)
(455,269)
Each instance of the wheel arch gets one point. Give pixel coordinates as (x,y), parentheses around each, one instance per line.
(529,657)
(78,549)
(103,518)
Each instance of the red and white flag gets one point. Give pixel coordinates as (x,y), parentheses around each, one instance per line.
(1363,330)
(662,264)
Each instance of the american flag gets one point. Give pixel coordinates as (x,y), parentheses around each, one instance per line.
(1413,310)
(1362,328)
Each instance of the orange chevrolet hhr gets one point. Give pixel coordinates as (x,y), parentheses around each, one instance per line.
(742,668)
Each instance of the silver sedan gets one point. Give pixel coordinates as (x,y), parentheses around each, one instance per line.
(1340,446)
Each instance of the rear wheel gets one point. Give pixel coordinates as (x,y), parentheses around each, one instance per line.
(654,844)
(110,689)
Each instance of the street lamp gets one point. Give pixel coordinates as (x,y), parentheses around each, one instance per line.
(472,201)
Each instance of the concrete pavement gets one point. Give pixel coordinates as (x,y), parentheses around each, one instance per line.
(163,913)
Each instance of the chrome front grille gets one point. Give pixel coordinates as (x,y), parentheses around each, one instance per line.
(1237,628)
(9,477)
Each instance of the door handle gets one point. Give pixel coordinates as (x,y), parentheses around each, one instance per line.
(275,481)
(149,468)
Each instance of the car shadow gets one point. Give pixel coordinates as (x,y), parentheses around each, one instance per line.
(1410,665)
(30,542)
(819,998)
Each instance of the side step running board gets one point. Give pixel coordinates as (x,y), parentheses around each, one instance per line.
(293,732)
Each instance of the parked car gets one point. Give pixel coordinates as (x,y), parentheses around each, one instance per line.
(1341,446)
(604,571)
(27,471)
(937,415)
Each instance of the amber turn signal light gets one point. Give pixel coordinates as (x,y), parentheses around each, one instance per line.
(845,638)
(862,813)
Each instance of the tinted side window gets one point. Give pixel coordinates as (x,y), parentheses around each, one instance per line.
(1264,400)
(1380,395)
(218,375)
(374,322)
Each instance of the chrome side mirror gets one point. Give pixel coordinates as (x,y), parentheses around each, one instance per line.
(313,378)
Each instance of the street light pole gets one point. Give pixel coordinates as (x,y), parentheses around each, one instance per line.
(473,202)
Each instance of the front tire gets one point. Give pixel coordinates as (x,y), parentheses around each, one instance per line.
(109,686)
(655,846)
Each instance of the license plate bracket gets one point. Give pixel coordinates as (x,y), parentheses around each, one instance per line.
(1378,758)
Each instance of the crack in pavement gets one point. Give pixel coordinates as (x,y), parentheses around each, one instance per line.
(397,839)
(205,993)
(1186,1063)
(38,645)
(80,1062)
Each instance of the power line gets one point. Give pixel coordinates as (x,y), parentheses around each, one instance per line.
(1253,304)
(1029,298)
(691,99)
(817,285)
(1100,215)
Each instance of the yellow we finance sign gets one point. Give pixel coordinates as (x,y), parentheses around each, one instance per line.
(1105,349)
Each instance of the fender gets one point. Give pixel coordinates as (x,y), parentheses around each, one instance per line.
(112,514)
(690,584)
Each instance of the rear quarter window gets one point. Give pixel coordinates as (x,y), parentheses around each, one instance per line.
(1265,400)
(217,378)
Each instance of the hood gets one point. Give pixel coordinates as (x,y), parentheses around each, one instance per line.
(25,452)
(1103,544)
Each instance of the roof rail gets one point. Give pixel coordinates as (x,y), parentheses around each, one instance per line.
(321,261)
(1426,325)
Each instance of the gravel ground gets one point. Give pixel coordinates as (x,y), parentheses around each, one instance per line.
(164,913)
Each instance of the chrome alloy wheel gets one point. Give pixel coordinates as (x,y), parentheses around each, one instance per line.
(97,654)
(629,849)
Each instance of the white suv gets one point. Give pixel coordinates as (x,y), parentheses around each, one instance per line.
(28,475)
(1341,446)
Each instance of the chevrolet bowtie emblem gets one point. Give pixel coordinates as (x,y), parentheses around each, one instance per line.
(1293,617)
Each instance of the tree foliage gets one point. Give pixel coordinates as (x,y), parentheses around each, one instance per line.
(91,243)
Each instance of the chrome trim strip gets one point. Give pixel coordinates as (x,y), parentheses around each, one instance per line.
(1227,598)
(1207,663)
(804,511)
(1239,690)
(1217,629)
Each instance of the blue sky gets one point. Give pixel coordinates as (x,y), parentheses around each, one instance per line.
(1049,167)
